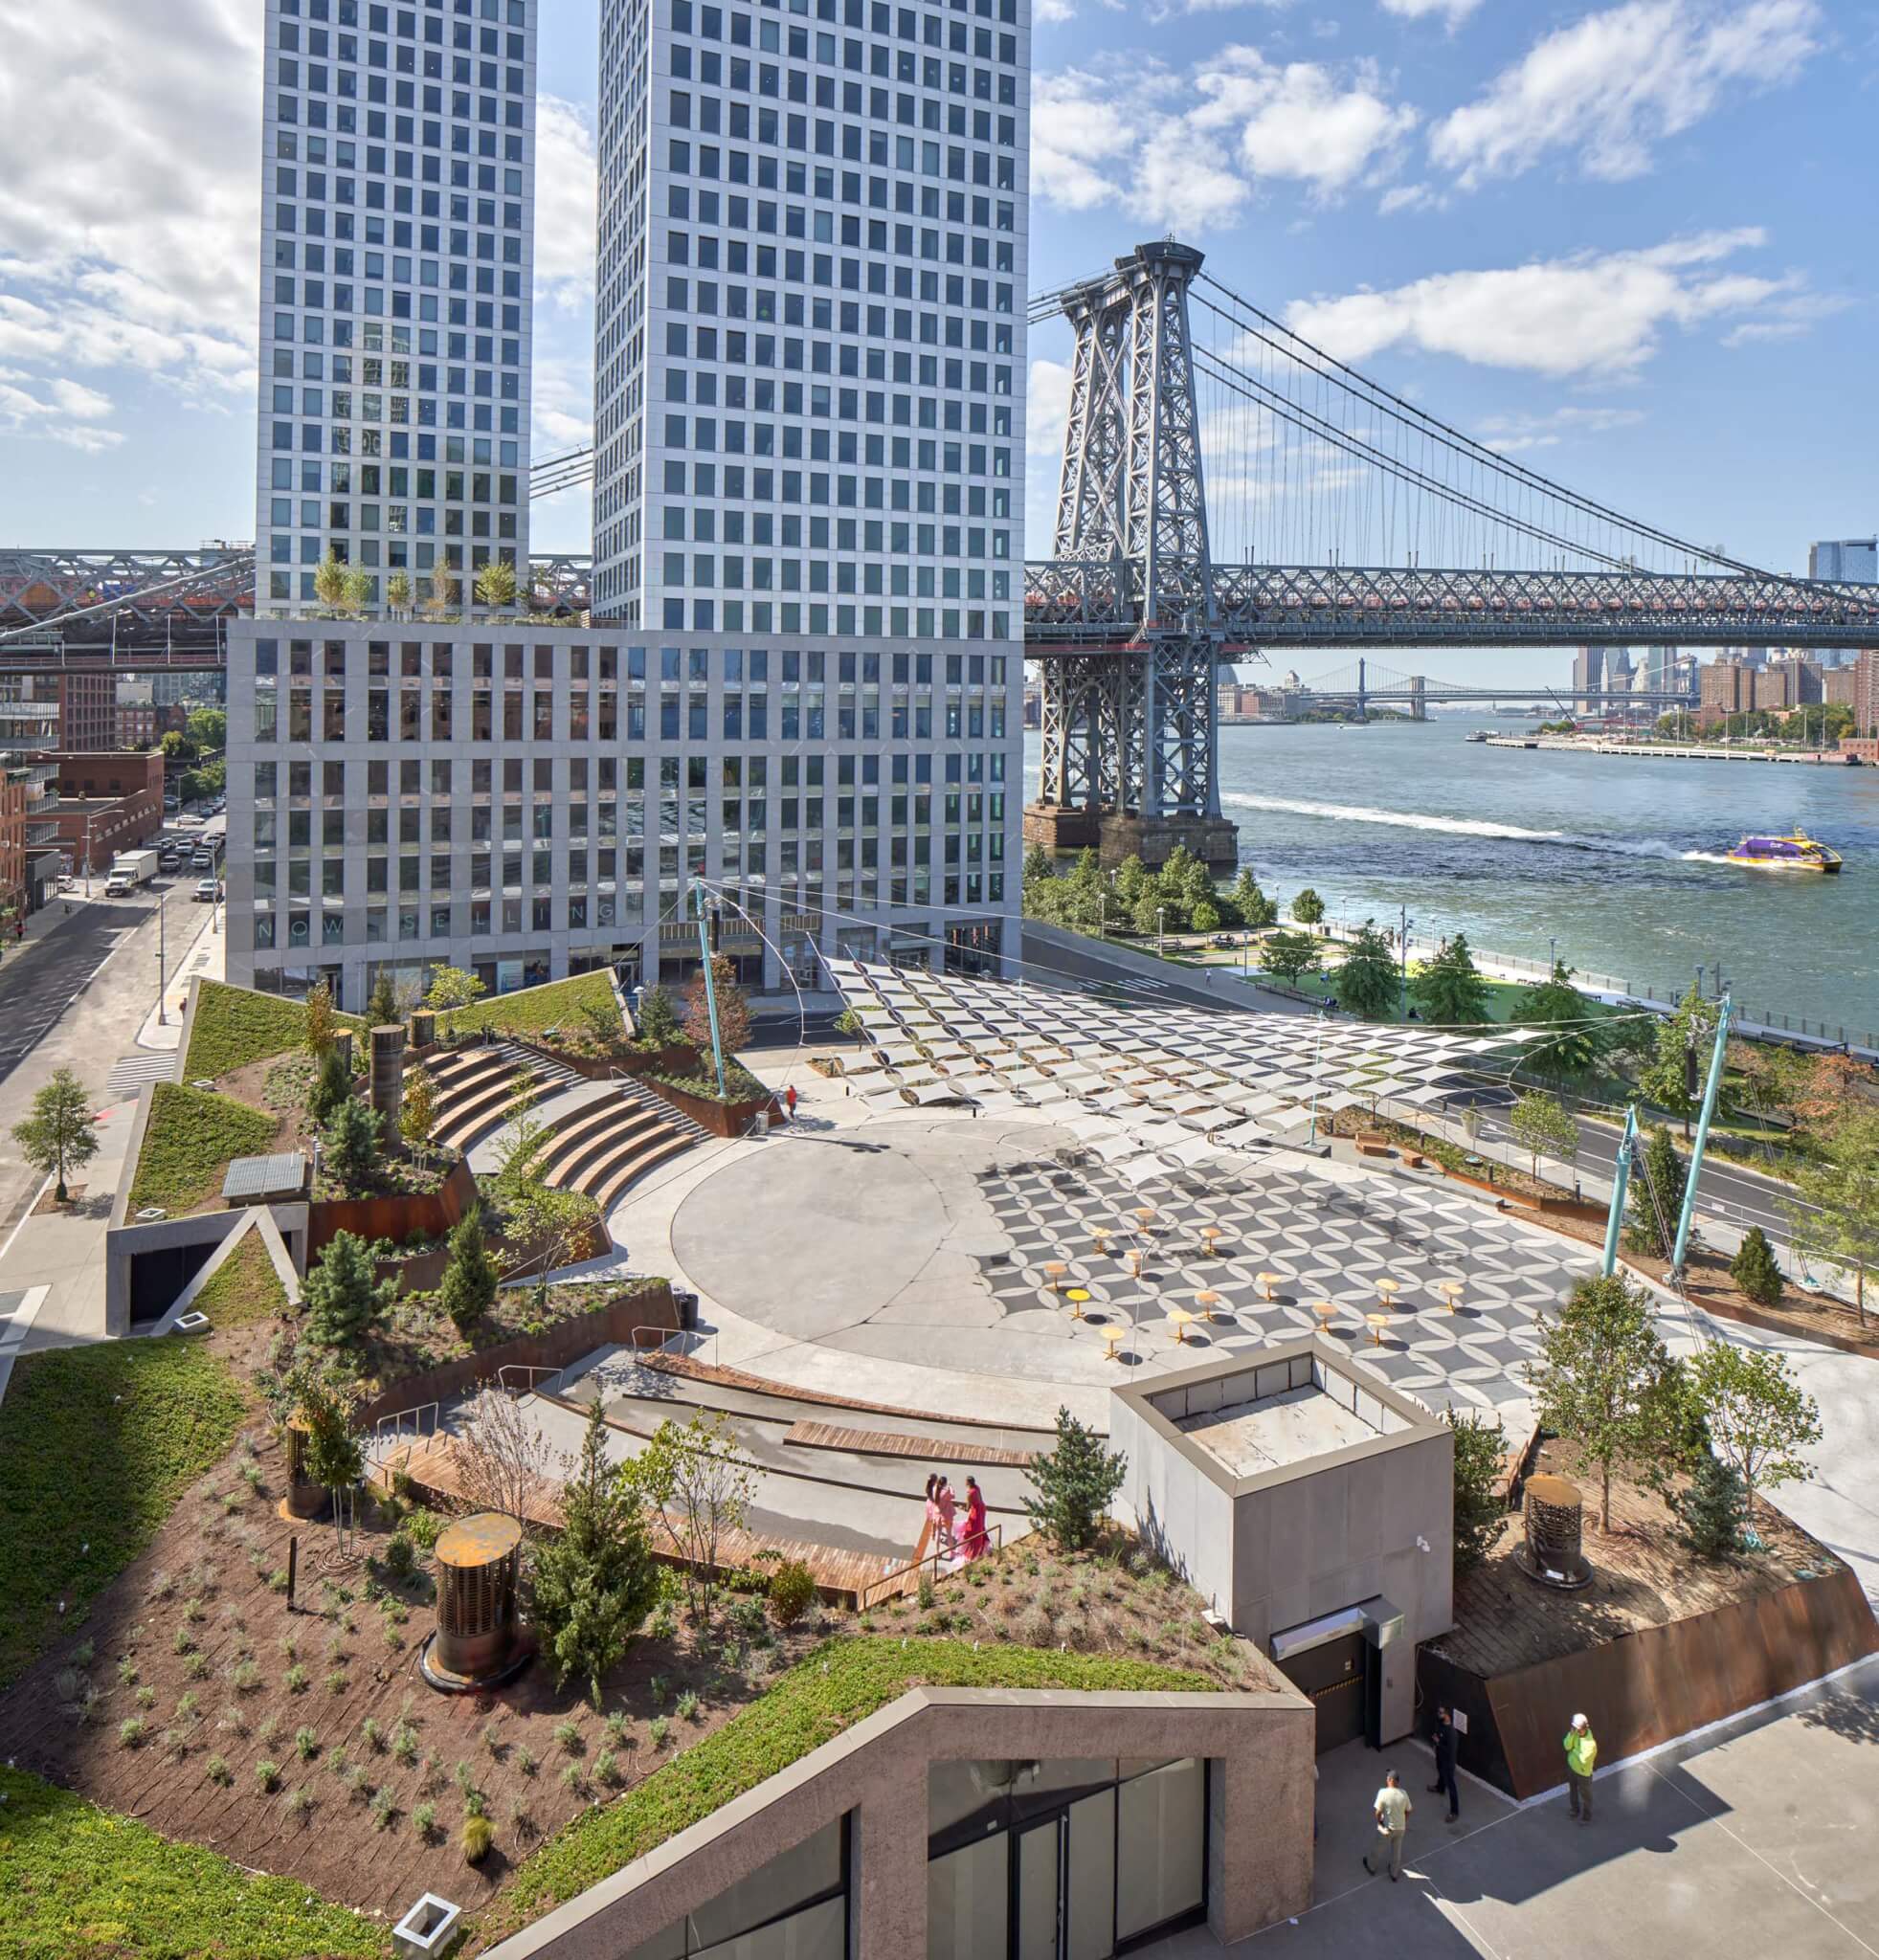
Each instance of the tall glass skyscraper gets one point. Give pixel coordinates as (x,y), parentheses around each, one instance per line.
(396,257)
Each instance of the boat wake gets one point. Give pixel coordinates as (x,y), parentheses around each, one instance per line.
(1465,827)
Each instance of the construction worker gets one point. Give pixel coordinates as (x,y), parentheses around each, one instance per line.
(1581,1758)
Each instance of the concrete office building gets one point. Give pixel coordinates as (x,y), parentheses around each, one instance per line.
(397,210)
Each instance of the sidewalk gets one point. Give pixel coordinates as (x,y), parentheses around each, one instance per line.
(205,959)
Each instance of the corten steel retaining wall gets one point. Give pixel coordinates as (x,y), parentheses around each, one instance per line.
(650,1305)
(394,1217)
(1258,1747)
(1655,1684)
(720,1119)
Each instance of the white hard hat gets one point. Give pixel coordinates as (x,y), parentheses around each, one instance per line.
(1579,1722)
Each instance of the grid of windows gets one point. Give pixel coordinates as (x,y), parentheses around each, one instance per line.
(398,245)
(809,329)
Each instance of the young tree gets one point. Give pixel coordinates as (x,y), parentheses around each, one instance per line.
(655,1021)
(1072,1486)
(1835,1211)
(328,1401)
(329,583)
(1674,1079)
(547,1227)
(398,592)
(451,988)
(1760,1417)
(382,1004)
(417,1113)
(1309,909)
(1571,1045)
(443,592)
(1753,1269)
(1541,1128)
(733,1011)
(359,587)
(1449,989)
(1367,982)
(595,1579)
(62,1133)
(496,584)
(1205,916)
(322,1022)
(1479,1507)
(1656,1198)
(331,1088)
(1146,914)
(1710,1510)
(352,1139)
(701,1482)
(468,1289)
(1606,1383)
(1289,956)
(505,1461)
(340,1298)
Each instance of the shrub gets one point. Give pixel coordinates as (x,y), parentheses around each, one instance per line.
(569,1735)
(218,1771)
(307,1744)
(1753,1269)
(295,1679)
(475,1838)
(1710,1511)
(425,1818)
(299,1802)
(370,1734)
(131,1732)
(267,1774)
(524,1761)
(687,1706)
(606,1766)
(1071,1487)
(792,1592)
(658,1729)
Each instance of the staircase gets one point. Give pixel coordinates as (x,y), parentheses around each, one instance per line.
(475,1086)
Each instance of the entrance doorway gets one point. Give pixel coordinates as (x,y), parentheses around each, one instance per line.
(1335,1677)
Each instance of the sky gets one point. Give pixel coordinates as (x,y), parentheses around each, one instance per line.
(1628,243)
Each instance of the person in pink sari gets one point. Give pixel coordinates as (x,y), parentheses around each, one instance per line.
(932,1526)
(973,1540)
(945,1544)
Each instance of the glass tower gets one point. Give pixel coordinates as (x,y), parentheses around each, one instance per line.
(396,257)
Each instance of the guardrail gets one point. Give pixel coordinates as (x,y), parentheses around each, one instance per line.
(905,1579)
(529,1372)
(388,1433)
(701,1335)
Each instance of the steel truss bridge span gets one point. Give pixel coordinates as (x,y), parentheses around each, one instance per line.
(1079,607)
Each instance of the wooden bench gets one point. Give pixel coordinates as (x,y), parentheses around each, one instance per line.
(1370,1144)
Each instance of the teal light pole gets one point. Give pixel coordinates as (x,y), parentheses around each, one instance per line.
(710,986)
(1702,1138)
(1620,1183)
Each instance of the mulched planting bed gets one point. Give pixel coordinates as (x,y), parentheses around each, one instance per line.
(196,1616)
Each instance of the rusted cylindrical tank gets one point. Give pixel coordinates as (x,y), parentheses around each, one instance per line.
(1555,1520)
(423,1026)
(387,1080)
(477,1559)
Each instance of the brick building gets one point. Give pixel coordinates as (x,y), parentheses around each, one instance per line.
(106,802)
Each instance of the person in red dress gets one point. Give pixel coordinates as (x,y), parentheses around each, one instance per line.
(973,1539)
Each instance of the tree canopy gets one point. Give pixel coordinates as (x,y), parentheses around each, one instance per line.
(1449,989)
(1367,982)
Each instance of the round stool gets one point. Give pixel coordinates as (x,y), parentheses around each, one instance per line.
(1326,1312)
(1112,1339)
(1078,1297)
(1452,1290)
(1268,1280)
(1054,1271)
(1377,1322)
(1209,1303)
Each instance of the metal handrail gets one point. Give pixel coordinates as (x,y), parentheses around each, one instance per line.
(700,1334)
(378,1446)
(894,1585)
(530,1371)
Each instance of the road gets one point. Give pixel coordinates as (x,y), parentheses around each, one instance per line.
(76,1000)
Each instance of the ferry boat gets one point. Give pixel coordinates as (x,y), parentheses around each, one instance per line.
(1795,852)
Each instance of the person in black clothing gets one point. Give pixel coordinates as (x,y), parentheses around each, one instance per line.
(1443,1738)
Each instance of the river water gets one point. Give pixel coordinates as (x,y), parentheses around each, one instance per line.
(1619,859)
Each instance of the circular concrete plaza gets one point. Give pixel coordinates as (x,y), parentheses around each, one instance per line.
(1003,1252)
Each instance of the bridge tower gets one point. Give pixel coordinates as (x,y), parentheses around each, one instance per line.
(1129,733)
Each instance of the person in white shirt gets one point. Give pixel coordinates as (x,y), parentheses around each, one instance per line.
(1392,1810)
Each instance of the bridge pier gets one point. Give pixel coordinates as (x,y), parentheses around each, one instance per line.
(1419,706)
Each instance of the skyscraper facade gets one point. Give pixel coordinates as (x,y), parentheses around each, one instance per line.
(396,256)
(1853,561)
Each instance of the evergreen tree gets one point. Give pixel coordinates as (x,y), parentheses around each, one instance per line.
(1449,989)
(595,1580)
(1367,982)
(352,1141)
(1071,1487)
(1655,1200)
(1710,1510)
(332,1087)
(1753,1269)
(1479,1508)
(1572,1043)
(496,584)
(468,1289)
(1606,1383)
(1256,909)
(1132,880)
(1309,909)
(62,1133)
(382,1007)
(656,1021)
(340,1298)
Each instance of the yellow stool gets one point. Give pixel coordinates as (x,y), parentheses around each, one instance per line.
(1268,1280)
(1377,1322)
(1076,1296)
(1209,1303)
(1326,1312)
(1112,1339)
(1452,1290)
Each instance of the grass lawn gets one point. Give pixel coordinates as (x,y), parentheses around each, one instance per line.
(826,1693)
(234,1027)
(77,1883)
(189,1143)
(96,1446)
(245,1289)
(557,1005)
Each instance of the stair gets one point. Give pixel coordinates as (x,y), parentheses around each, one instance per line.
(672,1117)
(475,1086)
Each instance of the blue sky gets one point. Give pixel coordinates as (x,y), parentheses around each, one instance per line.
(1629,241)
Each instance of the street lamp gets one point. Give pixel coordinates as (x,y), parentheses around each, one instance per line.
(1160,913)
(1405,922)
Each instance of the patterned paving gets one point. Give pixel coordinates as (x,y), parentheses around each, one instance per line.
(1325,1241)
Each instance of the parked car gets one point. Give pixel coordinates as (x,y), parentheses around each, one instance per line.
(208,890)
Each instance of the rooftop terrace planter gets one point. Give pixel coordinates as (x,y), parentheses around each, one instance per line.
(397,1215)
(720,1119)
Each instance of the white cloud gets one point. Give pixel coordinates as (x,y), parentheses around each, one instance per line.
(129,205)
(563,204)
(1613,85)
(1407,197)
(1511,433)
(1452,11)
(1591,314)
(1118,133)
(1053,13)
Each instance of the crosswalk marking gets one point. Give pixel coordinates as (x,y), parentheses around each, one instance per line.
(131,1072)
